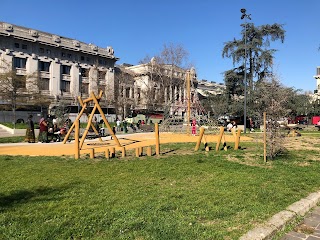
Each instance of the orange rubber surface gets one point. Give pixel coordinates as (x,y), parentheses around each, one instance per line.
(130,141)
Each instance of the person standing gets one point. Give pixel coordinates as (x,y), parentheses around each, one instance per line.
(118,125)
(30,137)
(125,129)
(194,127)
(43,133)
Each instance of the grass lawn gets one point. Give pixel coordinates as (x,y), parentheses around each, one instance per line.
(215,195)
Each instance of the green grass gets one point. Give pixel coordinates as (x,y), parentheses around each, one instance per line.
(15,139)
(199,196)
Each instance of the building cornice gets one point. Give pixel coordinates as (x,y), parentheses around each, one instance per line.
(32,35)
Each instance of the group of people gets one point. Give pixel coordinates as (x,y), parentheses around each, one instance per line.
(231,125)
(48,128)
(123,125)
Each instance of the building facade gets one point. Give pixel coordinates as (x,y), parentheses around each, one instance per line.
(205,87)
(60,69)
(56,67)
(158,88)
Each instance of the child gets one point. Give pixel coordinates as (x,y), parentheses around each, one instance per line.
(194,127)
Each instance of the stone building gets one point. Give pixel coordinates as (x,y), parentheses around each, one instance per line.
(60,69)
(155,88)
(205,87)
(56,67)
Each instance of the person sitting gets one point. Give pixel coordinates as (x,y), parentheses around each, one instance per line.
(132,127)
(229,126)
(234,125)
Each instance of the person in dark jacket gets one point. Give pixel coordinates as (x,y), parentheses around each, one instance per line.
(30,137)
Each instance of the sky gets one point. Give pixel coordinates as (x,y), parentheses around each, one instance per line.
(140,28)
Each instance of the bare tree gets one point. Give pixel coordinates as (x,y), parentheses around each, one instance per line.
(21,90)
(12,87)
(273,99)
(166,77)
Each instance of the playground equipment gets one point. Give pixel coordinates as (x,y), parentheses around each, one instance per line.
(221,139)
(194,111)
(97,106)
(110,152)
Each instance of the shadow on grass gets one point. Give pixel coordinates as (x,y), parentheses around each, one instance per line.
(34,195)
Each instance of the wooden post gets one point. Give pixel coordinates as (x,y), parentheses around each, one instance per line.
(156,130)
(88,126)
(199,139)
(137,152)
(76,140)
(149,152)
(140,151)
(219,138)
(73,124)
(91,153)
(112,152)
(237,140)
(265,136)
(123,151)
(114,137)
(107,153)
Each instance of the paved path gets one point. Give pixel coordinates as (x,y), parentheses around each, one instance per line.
(308,229)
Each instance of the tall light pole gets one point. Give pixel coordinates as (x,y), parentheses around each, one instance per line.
(245,17)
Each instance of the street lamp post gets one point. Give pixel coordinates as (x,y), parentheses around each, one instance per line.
(245,17)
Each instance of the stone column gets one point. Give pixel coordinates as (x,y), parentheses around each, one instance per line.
(165,94)
(74,81)
(110,84)
(93,80)
(175,93)
(32,72)
(55,77)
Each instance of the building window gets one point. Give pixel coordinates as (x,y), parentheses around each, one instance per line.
(85,88)
(127,92)
(19,81)
(88,59)
(101,88)
(41,50)
(69,55)
(44,83)
(102,75)
(65,69)
(65,86)
(48,51)
(44,66)
(139,93)
(63,54)
(84,72)
(24,46)
(82,58)
(19,62)
(16,45)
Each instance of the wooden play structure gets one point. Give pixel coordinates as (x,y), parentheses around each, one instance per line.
(84,104)
(109,151)
(221,139)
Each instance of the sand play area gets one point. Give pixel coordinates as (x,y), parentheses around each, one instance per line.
(130,141)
